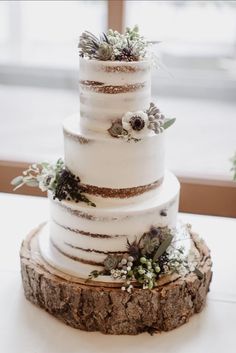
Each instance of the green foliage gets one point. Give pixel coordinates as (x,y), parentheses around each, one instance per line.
(54,177)
(147,260)
(168,123)
(233,169)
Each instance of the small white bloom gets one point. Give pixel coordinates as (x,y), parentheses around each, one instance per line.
(149,275)
(136,123)
(123,261)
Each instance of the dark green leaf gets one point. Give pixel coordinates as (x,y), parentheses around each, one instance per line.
(92,275)
(168,123)
(163,247)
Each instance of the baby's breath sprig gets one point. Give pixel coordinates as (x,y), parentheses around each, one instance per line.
(54,177)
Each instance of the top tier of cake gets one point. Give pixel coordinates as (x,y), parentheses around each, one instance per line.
(109,89)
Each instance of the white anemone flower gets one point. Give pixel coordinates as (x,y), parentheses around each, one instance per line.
(136,123)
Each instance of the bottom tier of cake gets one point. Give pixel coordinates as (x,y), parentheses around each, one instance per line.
(110,310)
(81,236)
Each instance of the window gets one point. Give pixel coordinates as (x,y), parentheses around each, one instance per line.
(3,22)
(45,33)
(198,45)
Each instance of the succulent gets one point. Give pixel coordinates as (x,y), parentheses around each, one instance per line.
(104,52)
(116,129)
(111,262)
(148,243)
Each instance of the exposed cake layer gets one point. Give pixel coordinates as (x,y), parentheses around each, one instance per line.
(109,89)
(82,236)
(111,166)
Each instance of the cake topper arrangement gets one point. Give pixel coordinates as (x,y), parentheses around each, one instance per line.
(114,46)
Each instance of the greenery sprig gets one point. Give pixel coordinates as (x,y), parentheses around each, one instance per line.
(233,169)
(53,177)
(148,259)
(114,46)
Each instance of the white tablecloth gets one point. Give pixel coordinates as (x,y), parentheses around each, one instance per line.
(25,328)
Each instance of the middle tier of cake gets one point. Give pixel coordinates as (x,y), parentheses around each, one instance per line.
(111,167)
(81,236)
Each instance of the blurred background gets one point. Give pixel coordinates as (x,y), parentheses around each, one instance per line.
(195,82)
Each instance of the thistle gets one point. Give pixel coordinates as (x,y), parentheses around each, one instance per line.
(88,44)
(133,249)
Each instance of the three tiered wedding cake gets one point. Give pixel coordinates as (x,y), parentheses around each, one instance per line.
(113,239)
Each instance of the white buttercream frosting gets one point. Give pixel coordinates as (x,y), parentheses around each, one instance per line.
(110,162)
(130,82)
(79,236)
(88,234)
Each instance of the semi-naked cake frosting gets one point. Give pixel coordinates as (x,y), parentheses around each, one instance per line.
(113,257)
(126,180)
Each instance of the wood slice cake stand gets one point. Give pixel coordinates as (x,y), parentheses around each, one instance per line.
(100,307)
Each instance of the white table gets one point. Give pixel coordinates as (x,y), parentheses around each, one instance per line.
(25,328)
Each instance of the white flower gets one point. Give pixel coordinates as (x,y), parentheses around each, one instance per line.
(136,124)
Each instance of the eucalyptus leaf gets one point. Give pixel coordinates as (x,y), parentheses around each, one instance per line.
(163,247)
(168,123)
(17,180)
(18,186)
(32,182)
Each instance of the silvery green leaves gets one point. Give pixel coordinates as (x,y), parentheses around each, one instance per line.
(113,45)
(157,121)
(54,177)
(42,175)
